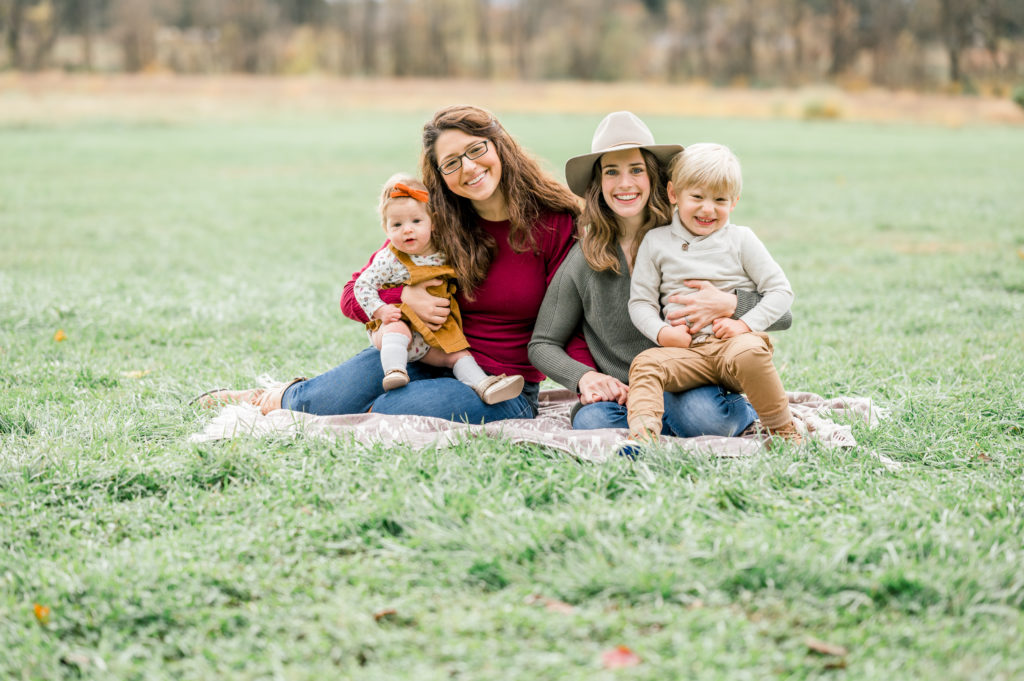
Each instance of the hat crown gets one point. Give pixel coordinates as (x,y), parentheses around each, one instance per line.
(621,129)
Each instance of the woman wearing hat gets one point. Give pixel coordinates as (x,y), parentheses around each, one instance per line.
(622,182)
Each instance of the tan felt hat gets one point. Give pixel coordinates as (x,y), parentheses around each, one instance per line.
(618,131)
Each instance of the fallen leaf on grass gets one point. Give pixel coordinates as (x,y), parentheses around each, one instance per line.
(619,656)
(135,374)
(825,648)
(60,336)
(77,659)
(390,617)
(984,457)
(550,604)
(42,613)
(83,661)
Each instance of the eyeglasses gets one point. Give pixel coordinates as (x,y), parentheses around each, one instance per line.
(453,164)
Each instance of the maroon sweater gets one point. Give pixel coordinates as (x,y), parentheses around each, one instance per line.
(499,321)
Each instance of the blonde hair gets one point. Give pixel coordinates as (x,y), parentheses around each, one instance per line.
(389,186)
(600,240)
(712,166)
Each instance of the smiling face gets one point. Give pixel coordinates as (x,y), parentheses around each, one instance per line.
(625,184)
(702,210)
(407,226)
(478,179)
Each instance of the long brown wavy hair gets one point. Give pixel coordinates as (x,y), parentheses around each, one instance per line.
(529,191)
(600,241)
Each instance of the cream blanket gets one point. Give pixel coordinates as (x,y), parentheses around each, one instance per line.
(551,428)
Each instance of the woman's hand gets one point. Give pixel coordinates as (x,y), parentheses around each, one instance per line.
(702,307)
(597,387)
(431,309)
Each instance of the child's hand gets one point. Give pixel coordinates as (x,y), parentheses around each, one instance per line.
(728,328)
(387,313)
(674,337)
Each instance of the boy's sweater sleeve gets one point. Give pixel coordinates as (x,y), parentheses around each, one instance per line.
(771,282)
(748,300)
(645,291)
(351,308)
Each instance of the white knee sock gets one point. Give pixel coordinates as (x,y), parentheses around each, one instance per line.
(468,371)
(394,351)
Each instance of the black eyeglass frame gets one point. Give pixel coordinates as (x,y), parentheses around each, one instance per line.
(455,163)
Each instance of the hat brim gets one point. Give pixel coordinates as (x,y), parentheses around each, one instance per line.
(579,169)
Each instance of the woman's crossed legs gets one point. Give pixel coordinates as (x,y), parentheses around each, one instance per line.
(708,410)
(354,387)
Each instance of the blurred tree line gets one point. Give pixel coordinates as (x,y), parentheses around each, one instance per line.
(894,43)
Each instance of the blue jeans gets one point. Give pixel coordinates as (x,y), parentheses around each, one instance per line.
(707,410)
(354,387)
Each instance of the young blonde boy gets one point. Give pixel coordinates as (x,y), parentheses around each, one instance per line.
(700,243)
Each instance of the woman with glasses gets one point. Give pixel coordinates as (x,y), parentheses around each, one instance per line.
(623,184)
(505,226)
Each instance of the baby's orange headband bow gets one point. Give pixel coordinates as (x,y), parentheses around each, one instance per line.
(401,190)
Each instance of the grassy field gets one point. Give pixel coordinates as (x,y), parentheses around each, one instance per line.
(172,257)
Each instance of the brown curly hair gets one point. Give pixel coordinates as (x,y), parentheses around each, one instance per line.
(600,241)
(529,191)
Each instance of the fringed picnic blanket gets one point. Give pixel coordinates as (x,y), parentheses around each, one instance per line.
(551,428)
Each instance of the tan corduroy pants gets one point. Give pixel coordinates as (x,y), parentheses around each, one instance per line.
(741,364)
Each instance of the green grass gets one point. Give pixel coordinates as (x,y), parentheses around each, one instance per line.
(179,257)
